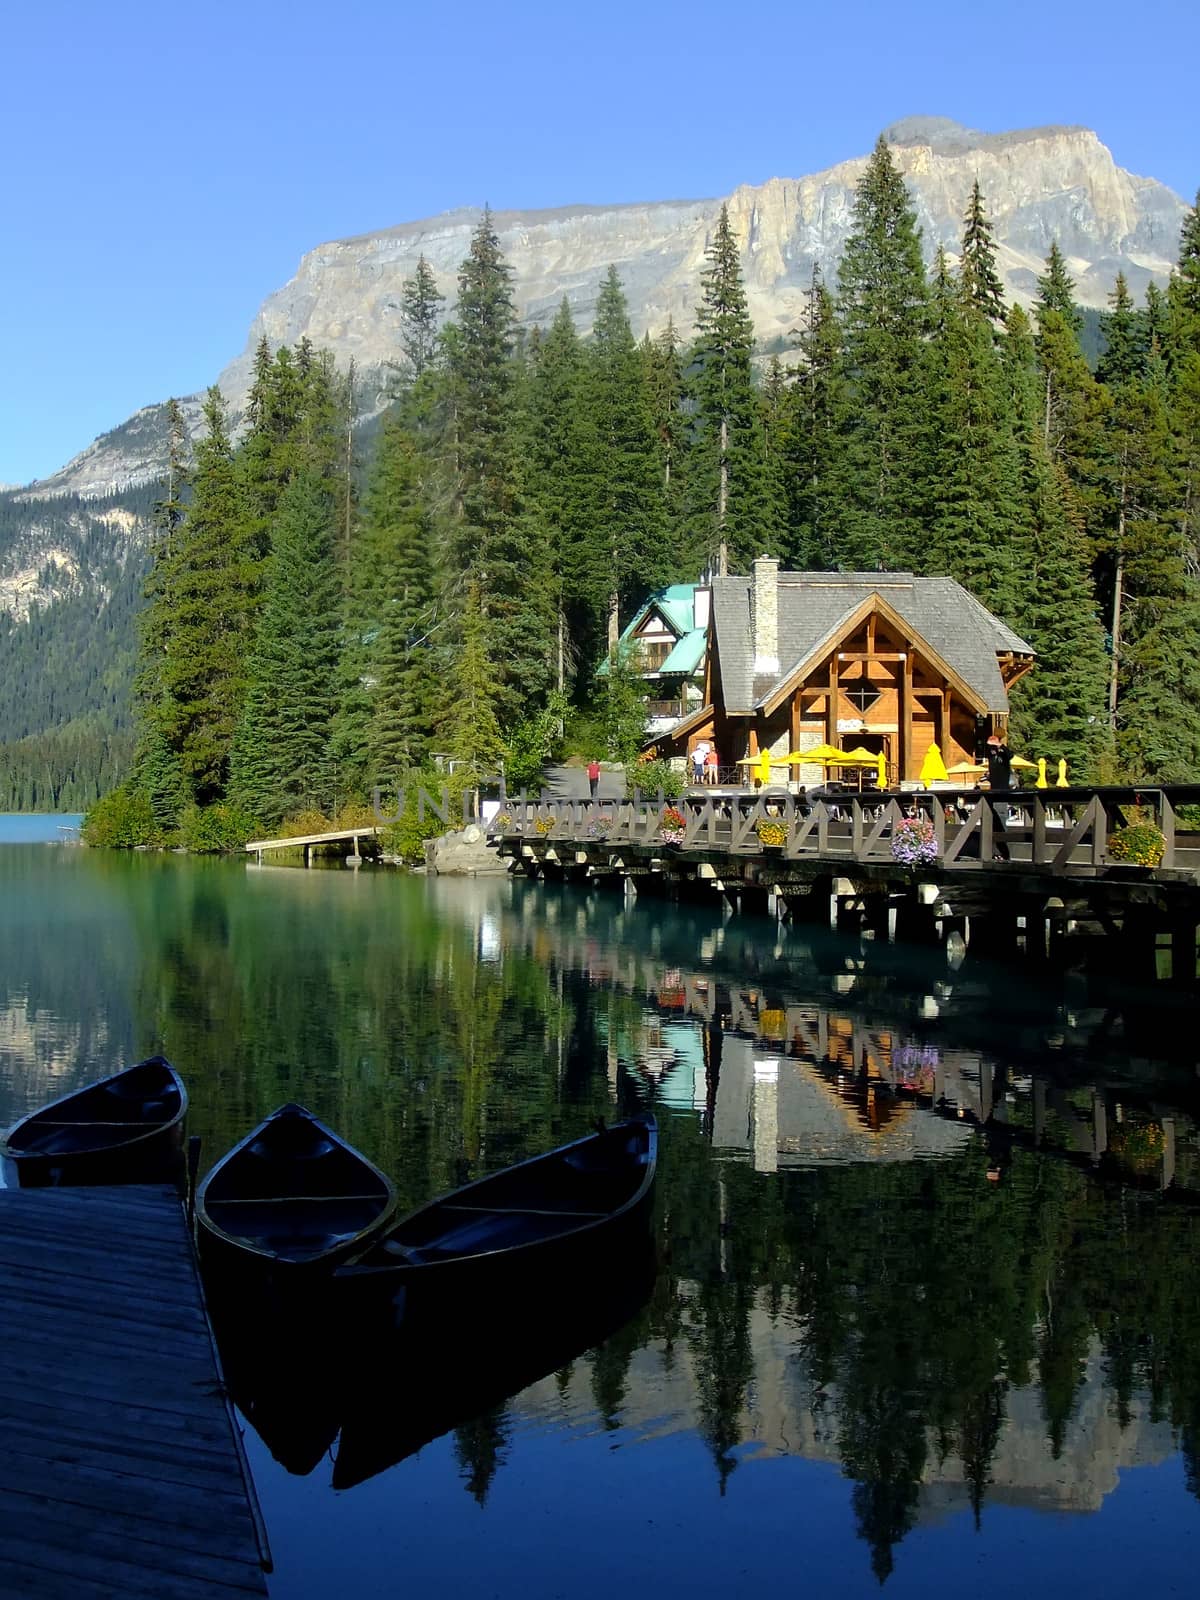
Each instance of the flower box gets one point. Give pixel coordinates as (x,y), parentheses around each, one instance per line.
(914,843)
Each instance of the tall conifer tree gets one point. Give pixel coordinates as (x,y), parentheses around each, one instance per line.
(981,282)
(728,478)
(213,592)
(883,307)
(629,524)
(281,761)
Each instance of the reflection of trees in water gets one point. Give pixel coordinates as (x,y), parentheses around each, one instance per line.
(921,1293)
(480,1448)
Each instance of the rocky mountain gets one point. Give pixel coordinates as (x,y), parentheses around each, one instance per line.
(1041,185)
(77,538)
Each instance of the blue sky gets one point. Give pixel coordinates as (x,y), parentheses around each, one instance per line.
(165,167)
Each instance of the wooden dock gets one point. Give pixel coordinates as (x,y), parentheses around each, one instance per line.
(121,1469)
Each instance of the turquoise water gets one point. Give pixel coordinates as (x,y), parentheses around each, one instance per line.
(928,1295)
(17,827)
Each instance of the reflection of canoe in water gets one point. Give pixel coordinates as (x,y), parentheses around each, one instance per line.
(416,1385)
(282,1364)
(291,1195)
(130,1128)
(585,1198)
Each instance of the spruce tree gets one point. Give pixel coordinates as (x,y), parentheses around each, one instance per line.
(420,301)
(1123,359)
(1056,291)
(816,478)
(883,305)
(281,761)
(981,282)
(972,490)
(470,729)
(495,540)
(666,389)
(403,657)
(629,523)
(1058,710)
(1183,290)
(156,769)
(213,589)
(728,476)
(561,452)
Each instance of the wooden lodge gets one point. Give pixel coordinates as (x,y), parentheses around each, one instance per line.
(882,661)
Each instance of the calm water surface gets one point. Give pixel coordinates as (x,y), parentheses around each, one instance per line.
(928,1300)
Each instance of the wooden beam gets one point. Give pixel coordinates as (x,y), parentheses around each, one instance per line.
(944,721)
(906,714)
(831,708)
(872,655)
(794,733)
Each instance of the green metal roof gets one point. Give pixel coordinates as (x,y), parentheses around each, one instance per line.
(677,604)
(687,654)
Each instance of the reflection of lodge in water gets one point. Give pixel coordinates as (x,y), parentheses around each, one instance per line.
(801,1086)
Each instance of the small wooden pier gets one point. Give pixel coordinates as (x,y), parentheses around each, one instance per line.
(121,1468)
(307,841)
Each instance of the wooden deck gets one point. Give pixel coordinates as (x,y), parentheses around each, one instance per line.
(121,1471)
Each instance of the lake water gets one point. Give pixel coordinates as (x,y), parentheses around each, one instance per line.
(884,1342)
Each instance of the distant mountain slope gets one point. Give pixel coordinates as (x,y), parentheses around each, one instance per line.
(1041,185)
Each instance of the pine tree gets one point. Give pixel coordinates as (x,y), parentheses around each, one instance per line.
(403,657)
(1152,596)
(470,729)
(972,493)
(816,476)
(419,311)
(213,589)
(1124,355)
(495,540)
(1183,290)
(281,761)
(666,389)
(1056,291)
(628,528)
(561,452)
(980,280)
(883,306)
(1058,710)
(728,478)
(156,770)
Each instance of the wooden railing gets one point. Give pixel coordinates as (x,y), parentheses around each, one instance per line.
(1055,830)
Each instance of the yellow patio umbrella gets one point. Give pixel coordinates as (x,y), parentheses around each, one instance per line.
(763,762)
(823,755)
(1041,777)
(965,769)
(860,757)
(1020,761)
(881,771)
(1062,776)
(933,768)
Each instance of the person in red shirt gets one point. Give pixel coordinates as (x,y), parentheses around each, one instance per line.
(593,772)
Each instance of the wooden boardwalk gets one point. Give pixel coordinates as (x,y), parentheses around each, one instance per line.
(121,1471)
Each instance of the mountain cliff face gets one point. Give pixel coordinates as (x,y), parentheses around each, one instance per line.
(1041,185)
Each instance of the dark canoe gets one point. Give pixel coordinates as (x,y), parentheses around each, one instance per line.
(292,1195)
(414,1386)
(130,1128)
(555,1211)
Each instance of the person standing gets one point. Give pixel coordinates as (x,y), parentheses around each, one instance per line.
(712,766)
(999,768)
(999,763)
(698,755)
(593,773)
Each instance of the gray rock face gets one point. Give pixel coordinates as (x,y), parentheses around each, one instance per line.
(1041,185)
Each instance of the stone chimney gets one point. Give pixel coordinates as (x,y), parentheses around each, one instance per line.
(764,614)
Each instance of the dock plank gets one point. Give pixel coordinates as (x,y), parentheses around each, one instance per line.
(122,1472)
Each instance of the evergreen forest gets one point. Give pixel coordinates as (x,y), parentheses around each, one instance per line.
(314,625)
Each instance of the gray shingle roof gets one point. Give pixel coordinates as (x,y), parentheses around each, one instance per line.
(815,606)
